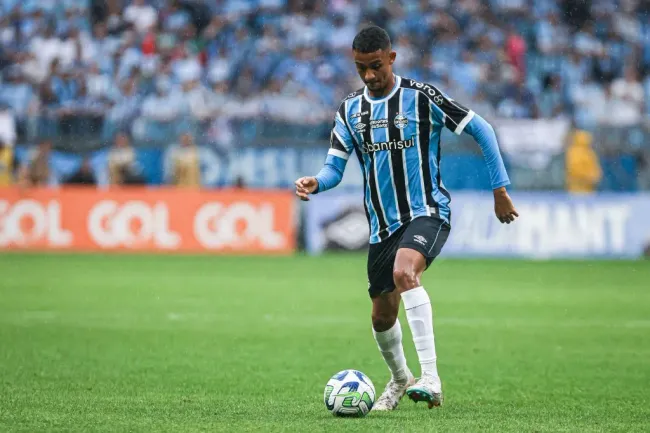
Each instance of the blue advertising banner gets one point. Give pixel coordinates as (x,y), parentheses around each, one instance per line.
(551,225)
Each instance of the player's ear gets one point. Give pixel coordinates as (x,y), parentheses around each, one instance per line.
(392,55)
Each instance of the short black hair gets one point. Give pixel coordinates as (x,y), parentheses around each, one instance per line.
(371,39)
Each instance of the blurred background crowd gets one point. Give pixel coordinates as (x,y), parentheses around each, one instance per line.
(90,87)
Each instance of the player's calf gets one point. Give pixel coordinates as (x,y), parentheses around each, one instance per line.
(383,321)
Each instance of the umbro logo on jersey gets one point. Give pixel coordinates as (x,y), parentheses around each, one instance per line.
(420,240)
(360,127)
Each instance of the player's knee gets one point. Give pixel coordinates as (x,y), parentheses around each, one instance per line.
(405,278)
(383,321)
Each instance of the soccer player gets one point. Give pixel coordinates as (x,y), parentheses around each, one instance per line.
(393,126)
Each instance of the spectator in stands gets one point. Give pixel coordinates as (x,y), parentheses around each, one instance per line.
(36,172)
(84,176)
(482,105)
(46,46)
(552,37)
(8,131)
(582,165)
(122,168)
(516,51)
(184,160)
(141,15)
(589,101)
(519,102)
(274,57)
(551,101)
(188,56)
(126,107)
(174,18)
(102,47)
(467,73)
(646,89)
(7,164)
(199,100)
(627,99)
(17,93)
(165,104)
(100,84)
(586,42)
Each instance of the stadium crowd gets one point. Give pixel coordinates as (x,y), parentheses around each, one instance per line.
(155,69)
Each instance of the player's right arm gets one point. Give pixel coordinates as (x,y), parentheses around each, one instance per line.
(341,147)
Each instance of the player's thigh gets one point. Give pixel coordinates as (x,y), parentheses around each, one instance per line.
(381,258)
(426,236)
(408,268)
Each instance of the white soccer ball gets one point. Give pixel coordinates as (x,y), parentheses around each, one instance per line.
(349,393)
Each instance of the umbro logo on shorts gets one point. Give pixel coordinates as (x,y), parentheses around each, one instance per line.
(420,240)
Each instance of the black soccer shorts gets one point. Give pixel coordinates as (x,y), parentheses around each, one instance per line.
(424,234)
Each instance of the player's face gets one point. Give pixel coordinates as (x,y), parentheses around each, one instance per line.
(375,69)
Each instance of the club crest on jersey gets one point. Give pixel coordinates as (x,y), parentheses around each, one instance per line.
(400,121)
(360,127)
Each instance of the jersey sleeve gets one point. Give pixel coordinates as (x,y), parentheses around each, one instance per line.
(341,147)
(449,113)
(341,143)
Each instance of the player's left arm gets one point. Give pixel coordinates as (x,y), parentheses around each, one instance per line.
(484,135)
(457,118)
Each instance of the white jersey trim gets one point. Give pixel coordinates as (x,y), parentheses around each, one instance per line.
(338,153)
(464,122)
(398,82)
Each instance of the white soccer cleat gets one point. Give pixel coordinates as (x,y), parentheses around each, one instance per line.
(392,394)
(428,388)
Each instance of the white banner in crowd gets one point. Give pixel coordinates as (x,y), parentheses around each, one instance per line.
(552,225)
(532,143)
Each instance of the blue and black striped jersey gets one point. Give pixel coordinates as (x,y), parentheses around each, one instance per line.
(397,142)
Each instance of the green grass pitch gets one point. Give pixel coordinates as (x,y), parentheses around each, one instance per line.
(185,344)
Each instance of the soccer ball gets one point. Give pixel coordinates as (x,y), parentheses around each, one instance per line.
(349,393)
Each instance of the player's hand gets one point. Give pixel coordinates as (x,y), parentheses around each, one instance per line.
(305,186)
(503,207)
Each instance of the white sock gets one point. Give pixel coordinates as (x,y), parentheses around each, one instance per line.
(390,346)
(420,318)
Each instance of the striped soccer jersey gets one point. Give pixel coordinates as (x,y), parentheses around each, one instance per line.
(397,142)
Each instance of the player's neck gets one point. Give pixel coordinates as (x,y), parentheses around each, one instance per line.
(385,91)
